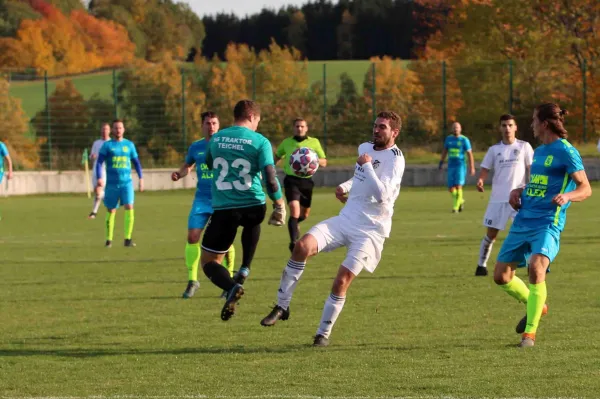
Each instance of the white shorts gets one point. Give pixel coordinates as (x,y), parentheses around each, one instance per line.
(364,247)
(498,214)
(95,179)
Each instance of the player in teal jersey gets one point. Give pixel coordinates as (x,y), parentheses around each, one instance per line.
(240,159)
(298,190)
(456,146)
(4,155)
(201,207)
(557,179)
(119,153)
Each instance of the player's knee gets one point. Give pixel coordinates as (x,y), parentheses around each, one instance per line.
(304,248)
(304,214)
(193,236)
(502,275)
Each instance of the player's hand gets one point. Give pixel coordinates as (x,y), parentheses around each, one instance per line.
(141,185)
(480,185)
(472,172)
(9,175)
(100,183)
(363,159)
(175,176)
(561,199)
(441,165)
(341,195)
(515,198)
(278,215)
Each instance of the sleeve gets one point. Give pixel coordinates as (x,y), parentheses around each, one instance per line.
(572,160)
(133,151)
(386,186)
(103,150)
(528,154)
(446,143)
(488,160)
(319,150)
(189,157)
(280,150)
(467,144)
(265,155)
(3,150)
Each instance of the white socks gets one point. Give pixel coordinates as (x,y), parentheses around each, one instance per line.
(289,280)
(485,250)
(332,309)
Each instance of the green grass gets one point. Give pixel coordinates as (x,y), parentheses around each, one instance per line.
(79,320)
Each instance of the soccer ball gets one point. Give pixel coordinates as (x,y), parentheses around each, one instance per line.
(304,162)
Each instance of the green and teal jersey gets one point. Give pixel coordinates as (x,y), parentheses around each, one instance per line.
(550,175)
(238,155)
(197,155)
(118,156)
(289,145)
(3,154)
(456,147)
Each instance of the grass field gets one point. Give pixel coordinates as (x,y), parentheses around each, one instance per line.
(79,320)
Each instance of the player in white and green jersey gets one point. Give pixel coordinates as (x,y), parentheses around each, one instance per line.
(240,159)
(298,189)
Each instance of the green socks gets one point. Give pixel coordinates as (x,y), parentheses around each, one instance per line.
(454,200)
(110,225)
(459,197)
(192,258)
(535,306)
(229,260)
(518,290)
(129,219)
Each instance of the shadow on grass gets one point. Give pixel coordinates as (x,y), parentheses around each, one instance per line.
(85,262)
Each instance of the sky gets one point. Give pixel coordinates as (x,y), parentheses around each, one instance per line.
(238,7)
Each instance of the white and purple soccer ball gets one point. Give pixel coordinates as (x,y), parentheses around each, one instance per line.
(304,162)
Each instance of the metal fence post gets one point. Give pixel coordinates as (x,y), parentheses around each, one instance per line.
(325,107)
(115,98)
(48,126)
(510,86)
(584,105)
(444,116)
(373,91)
(183,130)
(254,82)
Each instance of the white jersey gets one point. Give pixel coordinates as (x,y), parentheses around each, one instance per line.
(510,163)
(374,189)
(94,154)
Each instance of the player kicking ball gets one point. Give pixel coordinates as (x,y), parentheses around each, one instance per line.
(510,160)
(362,225)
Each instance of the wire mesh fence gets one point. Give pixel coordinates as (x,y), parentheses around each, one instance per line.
(49,121)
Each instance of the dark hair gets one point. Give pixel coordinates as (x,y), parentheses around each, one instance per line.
(118,121)
(244,109)
(209,115)
(507,117)
(394,118)
(299,120)
(551,113)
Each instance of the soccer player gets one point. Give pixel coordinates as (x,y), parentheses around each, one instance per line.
(557,179)
(455,146)
(298,190)
(99,191)
(240,159)
(201,207)
(511,160)
(362,225)
(119,153)
(5,156)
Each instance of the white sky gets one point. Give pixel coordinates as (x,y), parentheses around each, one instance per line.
(238,7)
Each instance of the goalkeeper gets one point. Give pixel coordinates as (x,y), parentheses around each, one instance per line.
(238,155)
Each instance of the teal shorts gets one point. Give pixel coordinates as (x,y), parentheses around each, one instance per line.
(118,194)
(457,176)
(522,244)
(200,213)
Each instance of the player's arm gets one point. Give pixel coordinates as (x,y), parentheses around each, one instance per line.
(443,158)
(186,167)
(471,162)
(382,189)
(137,165)
(582,192)
(341,191)
(10,166)
(280,153)
(321,154)
(267,165)
(486,166)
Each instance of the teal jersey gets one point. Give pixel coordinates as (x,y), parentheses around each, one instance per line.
(118,156)
(238,156)
(197,155)
(3,154)
(456,147)
(551,172)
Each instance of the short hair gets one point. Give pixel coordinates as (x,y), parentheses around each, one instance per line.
(394,118)
(299,120)
(209,115)
(551,113)
(244,109)
(507,117)
(117,121)
(104,124)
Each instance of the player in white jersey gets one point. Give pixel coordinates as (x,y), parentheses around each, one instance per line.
(511,161)
(362,226)
(99,191)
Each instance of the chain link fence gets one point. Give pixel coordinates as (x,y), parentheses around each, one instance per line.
(161,105)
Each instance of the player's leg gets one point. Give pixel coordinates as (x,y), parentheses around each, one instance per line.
(495,218)
(127,198)
(324,236)
(251,219)
(306,192)
(111,202)
(452,178)
(198,218)
(229,260)
(98,196)
(1,177)
(292,196)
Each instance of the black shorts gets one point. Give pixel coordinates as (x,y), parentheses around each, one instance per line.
(223,224)
(299,189)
